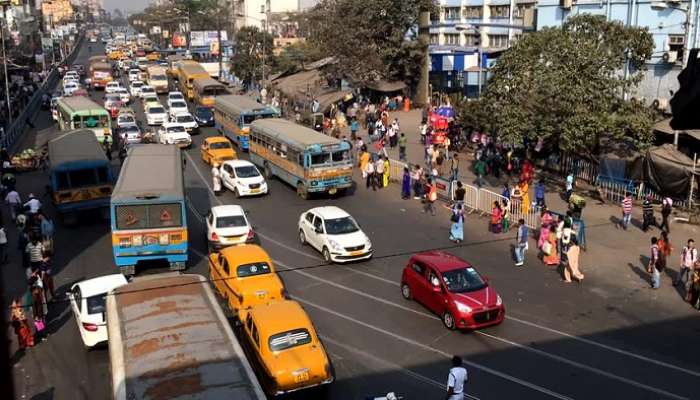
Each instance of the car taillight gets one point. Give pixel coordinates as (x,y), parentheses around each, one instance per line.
(89,327)
(214,236)
(251,234)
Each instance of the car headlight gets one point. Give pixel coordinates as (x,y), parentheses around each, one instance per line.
(499,301)
(335,245)
(463,307)
(369,242)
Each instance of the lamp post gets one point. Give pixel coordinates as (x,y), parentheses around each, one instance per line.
(4,62)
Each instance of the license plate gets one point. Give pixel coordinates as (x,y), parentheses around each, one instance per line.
(355,253)
(254,190)
(332,191)
(301,377)
(261,294)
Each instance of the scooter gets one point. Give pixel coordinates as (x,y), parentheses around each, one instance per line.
(388,396)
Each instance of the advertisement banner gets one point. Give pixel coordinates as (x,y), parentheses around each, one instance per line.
(179,40)
(206,38)
(47,45)
(166,34)
(155,30)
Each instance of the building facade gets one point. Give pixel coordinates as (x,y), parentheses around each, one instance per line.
(56,11)
(673,24)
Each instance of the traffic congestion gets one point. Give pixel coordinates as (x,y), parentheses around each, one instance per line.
(211,248)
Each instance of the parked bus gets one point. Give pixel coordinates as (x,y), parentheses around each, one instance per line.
(169,339)
(157,78)
(100,74)
(206,90)
(308,160)
(80,175)
(187,72)
(148,210)
(79,112)
(233,115)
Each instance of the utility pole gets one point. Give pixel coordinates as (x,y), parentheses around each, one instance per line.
(424,37)
(4,62)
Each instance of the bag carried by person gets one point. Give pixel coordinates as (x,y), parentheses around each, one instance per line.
(455,217)
(547,248)
(39,324)
(48,246)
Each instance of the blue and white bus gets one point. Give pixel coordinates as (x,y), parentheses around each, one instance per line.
(308,160)
(233,115)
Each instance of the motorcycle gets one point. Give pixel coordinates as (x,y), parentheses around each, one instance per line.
(388,396)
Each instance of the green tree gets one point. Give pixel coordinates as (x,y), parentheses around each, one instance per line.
(371,39)
(251,47)
(296,56)
(566,85)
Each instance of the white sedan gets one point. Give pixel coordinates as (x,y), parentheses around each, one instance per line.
(172,96)
(112,87)
(177,107)
(135,88)
(70,87)
(123,95)
(147,90)
(186,119)
(334,233)
(87,300)
(228,226)
(242,178)
(173,133)
(156,115)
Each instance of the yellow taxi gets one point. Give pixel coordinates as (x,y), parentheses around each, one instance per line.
(217,149)
(153,56)
(115,55)
(286,347)
(245,276)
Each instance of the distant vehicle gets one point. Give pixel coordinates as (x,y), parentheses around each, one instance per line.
(174,133)
(245,276)
(113,103)
(88,303)
(93,39)
(112,87)
(147,90)
(70,87)
(157,78)
(186,120)
(123,95)
(135,88)
(133,74)
(233,115)
(172,96)
(187,72)
(100,74)
(130,134)
(217,149)
(308,160)
(227,225)
(81,112)
(156,115)
(126,119)
(149,100)
(286,345)
(80,68)
(242,178)
(177,107)
(148,210)
(453,289)
(206,90)
(335,234)
(204,116)
(186,336)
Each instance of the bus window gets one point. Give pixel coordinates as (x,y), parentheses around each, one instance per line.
(82,177)
(77,122)
(164,215)
(131,217)
(62,181)
(102,175)
(339,156)
(320,159)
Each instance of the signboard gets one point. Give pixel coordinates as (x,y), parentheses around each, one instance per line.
(206,38)
(47,45)
(166,34)
(155,30)
(179,40)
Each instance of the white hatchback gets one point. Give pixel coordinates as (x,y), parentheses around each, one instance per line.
(156,115)
(172,96)
(112,87)
(242,178)
(227,225)
(177,107)
(334,233)
(135,88)
(87,300)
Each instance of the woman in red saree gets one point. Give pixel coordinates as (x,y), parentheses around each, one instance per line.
(21,326)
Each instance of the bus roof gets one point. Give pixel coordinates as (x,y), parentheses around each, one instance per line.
(97,59)
(174,341)
(193,69)
(100,65)
(74,104)
(291,133)
(150,170)
(75,146)
(201,83)
(237,104)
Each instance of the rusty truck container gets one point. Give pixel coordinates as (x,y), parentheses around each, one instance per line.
(169,339)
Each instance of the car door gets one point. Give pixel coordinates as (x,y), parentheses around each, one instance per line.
(76,301)
(253,337)
(228,176)
(307,225)
(417,280)
(435,296)
(317,233)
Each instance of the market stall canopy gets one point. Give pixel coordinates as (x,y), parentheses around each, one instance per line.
(386,86)
(664,127)
(326,99)
(666,170)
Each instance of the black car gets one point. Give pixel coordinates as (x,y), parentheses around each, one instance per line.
(204,116)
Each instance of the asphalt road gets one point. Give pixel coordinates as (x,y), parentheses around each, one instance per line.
(558,341)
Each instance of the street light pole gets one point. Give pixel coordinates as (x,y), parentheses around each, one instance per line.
(4,63)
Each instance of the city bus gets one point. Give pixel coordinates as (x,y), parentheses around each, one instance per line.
(308,160)
(233,115)
(206,90)
(80,175)
(79,112)
(148,210)
(100,74)
(187,72)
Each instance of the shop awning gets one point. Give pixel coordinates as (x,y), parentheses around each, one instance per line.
(664,127)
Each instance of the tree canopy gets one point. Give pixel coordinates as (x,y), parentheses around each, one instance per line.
(566,86)
(251,47)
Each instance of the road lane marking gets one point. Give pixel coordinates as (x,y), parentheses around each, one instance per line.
(391,365)
(518,345)
(435,350)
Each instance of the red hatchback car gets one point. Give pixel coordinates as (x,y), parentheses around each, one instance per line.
(453,289)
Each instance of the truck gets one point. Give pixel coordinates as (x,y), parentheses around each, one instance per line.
(100,74)
(156,77)
(169,338)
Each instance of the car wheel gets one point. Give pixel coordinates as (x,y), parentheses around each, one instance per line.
(236,193)
(301,191)
(448,320)
(406,292)
(302,237)
(327,255)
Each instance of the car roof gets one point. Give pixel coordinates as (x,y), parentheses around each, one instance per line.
(213,139)
(154,106)
(246,254)
(440,260)
(327,212)
(173,125)
(102,284)
(239,163)
(227,210)
(175,92)
(182,114)
(280,316)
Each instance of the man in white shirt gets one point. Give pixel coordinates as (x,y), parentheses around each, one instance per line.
(33,204)
(14,202)
(456,380)
(689,256)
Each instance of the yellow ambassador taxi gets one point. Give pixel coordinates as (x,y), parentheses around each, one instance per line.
(217,149)
(286,348)
(245,276)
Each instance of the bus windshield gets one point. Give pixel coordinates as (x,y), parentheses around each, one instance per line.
(148,216)
(159,77)
(340,157)
(213,91)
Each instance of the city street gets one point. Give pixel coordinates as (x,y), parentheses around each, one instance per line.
(607,337)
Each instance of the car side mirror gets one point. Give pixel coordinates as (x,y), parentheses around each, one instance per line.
(437,289)
(486,278)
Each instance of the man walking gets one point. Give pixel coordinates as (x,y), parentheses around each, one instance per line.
(480,169)
(403,142)
(626,211)
(539,194)
(456,380)
(521,243)
(666,208)
(689,256)
(654,266)
(647,213)
(14,202)
(430,198)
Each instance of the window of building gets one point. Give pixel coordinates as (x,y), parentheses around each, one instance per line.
(434,38)
(471,40)
(519,11)
(500,11)
(452,38)
(676,43)
(498,40)
(452,12)
(473,12)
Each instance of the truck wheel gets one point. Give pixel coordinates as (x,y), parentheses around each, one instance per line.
(302,192)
